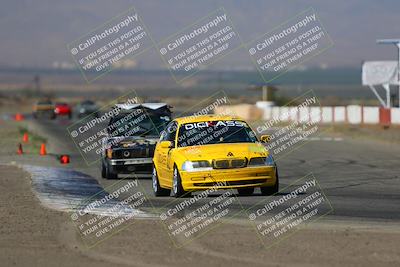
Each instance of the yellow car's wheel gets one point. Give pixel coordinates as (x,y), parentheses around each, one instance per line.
(157,189)
(247,191)
(270,190)
(177,189)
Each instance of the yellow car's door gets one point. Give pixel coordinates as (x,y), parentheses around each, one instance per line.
(164,155)
(161,163)
(169,166)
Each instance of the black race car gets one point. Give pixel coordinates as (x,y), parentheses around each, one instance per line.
(87,107)
(131,139)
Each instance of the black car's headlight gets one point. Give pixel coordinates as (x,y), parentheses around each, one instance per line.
(199,165)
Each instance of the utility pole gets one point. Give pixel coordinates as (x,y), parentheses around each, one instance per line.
(36,81)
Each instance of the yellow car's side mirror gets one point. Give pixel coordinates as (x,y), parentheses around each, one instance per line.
(166,144)
(265,138)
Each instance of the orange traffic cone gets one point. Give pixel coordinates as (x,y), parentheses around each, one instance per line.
(19,117)
(43,149)
(19,150)
(25,139)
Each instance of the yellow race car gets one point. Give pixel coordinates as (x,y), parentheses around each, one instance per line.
(212,152)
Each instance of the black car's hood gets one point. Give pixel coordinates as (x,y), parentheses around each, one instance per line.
(132,141)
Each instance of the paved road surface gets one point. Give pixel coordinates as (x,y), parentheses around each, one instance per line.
(360,178)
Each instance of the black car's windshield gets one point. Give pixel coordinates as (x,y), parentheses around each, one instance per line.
(87,103)
(215,132)
(138,122)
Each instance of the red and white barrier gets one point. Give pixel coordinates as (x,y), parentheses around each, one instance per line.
(395,115)
(353,114)
(275,112)
(293,114)
(371,115)
(339,114)
(327,114)
(304,114)
(384,116)
(284,114)
(315,114)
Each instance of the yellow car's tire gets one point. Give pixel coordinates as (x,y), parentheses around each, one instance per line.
(157,189)
(270,190)
(177,189)
(246,191)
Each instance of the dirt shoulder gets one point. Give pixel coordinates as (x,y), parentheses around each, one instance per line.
(378,133)
(31,234)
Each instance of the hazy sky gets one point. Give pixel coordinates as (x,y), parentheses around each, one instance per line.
(36,32)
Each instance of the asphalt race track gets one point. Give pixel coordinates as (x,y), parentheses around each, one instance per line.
(359,177)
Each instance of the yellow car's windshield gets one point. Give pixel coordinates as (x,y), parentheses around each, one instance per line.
(215,132)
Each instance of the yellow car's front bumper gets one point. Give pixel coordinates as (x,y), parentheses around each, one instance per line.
(229,178)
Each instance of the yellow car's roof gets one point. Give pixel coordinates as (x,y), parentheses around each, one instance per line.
(208,117)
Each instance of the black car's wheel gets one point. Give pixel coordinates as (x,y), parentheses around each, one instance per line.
(109,173)
(177,189)
(157,189)
(270,190)
(247,191)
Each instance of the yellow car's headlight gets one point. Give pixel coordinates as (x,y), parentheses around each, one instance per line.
(262,161)
(195,166)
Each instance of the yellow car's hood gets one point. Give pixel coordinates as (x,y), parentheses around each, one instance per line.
(223,151)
